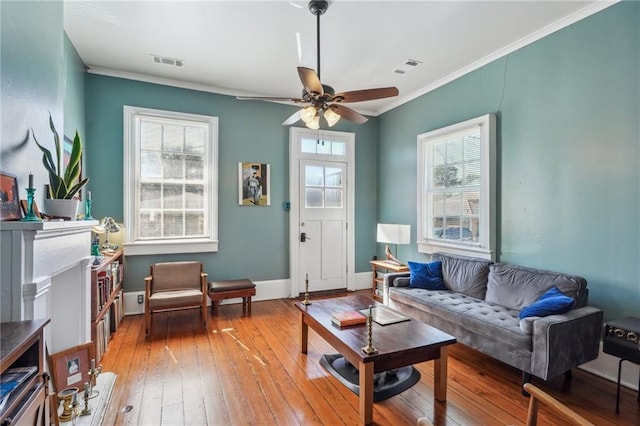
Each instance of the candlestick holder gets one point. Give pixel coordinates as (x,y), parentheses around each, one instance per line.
(369,349)
(87,210)
(306,300)
(74,410)
(86,410)
(94,372)
(67,396)
(30,216)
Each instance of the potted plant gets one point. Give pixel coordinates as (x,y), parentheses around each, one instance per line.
(64,182)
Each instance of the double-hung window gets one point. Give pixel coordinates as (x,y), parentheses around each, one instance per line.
(170,175)
(456,185)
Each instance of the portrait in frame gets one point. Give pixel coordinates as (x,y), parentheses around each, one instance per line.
(70,368)
(254,184)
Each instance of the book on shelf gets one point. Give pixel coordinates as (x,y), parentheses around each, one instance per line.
(348,318)
(384,316)
(12,378)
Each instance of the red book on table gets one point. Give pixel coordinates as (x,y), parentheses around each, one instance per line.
(348,318)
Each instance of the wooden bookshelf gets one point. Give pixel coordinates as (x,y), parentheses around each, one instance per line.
(106,300)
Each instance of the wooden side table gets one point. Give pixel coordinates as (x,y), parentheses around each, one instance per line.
(383,265)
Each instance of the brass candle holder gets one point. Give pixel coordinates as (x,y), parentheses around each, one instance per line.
(86,410)
(369,349)
(68,396)
(93,378)
(306,300)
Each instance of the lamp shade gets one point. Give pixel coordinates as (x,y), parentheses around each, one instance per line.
(392,233)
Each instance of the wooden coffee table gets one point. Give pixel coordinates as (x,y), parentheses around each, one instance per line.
(400,344)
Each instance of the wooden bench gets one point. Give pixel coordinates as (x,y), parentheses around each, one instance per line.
(230,289)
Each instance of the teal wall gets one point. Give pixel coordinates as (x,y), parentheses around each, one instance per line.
(74,108)
(568,110)
(32,85)
(253,241)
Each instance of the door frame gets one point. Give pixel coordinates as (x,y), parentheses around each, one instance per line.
(295,134)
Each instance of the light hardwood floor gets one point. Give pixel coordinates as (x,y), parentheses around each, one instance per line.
(249,371)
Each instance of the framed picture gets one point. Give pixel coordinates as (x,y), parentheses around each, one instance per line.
(254,184)
(36,211)
(70,368)
(9,197)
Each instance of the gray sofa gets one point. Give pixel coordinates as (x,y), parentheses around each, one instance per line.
(481,307)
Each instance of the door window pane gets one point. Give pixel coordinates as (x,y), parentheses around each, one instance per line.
(333,177)
(314,176)
(333,198)
(313,198)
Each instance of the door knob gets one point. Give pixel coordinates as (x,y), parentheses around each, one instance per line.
(303,237)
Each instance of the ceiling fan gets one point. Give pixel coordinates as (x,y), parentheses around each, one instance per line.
(322,99)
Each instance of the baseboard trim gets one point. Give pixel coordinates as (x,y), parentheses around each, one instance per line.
(606,366)
(265,290)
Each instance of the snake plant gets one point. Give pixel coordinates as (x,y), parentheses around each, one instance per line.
(64,181)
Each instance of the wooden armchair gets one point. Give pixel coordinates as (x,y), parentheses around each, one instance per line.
(172,286)
(559,409)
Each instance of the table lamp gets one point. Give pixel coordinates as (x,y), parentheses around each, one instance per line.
(392,233)
(109,225)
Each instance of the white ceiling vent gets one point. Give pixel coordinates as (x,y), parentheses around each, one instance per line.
(406,66)
(167,61)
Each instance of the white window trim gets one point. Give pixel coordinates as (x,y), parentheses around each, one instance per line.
(485,248)
(198,245)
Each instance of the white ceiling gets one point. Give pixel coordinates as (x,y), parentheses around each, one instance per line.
(249,47)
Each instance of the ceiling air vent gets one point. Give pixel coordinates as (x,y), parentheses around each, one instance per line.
(406,66)
(167,61)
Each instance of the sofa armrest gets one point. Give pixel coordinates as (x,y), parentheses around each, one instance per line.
(388,281)
(562,342)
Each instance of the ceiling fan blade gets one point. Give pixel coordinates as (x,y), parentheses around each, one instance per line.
(294,117)
(349,114)
(310,81)
(269,98)
(365,95)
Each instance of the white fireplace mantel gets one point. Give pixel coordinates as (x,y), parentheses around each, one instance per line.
(46,274)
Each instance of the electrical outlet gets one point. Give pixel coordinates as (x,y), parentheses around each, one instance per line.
(140,299)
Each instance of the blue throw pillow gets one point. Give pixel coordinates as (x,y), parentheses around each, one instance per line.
(426,275)
(550,303)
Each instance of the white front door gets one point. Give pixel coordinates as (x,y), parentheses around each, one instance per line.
(323,223)
(321,206)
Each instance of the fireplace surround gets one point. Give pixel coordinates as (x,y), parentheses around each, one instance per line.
(46,273)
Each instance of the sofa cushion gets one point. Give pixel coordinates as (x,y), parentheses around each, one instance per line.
(473,316)
(516,286)
(426,275)
(466,275)
(550,303)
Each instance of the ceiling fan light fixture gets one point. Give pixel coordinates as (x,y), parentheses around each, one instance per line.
(331,116)
(315,123)
(307,114)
